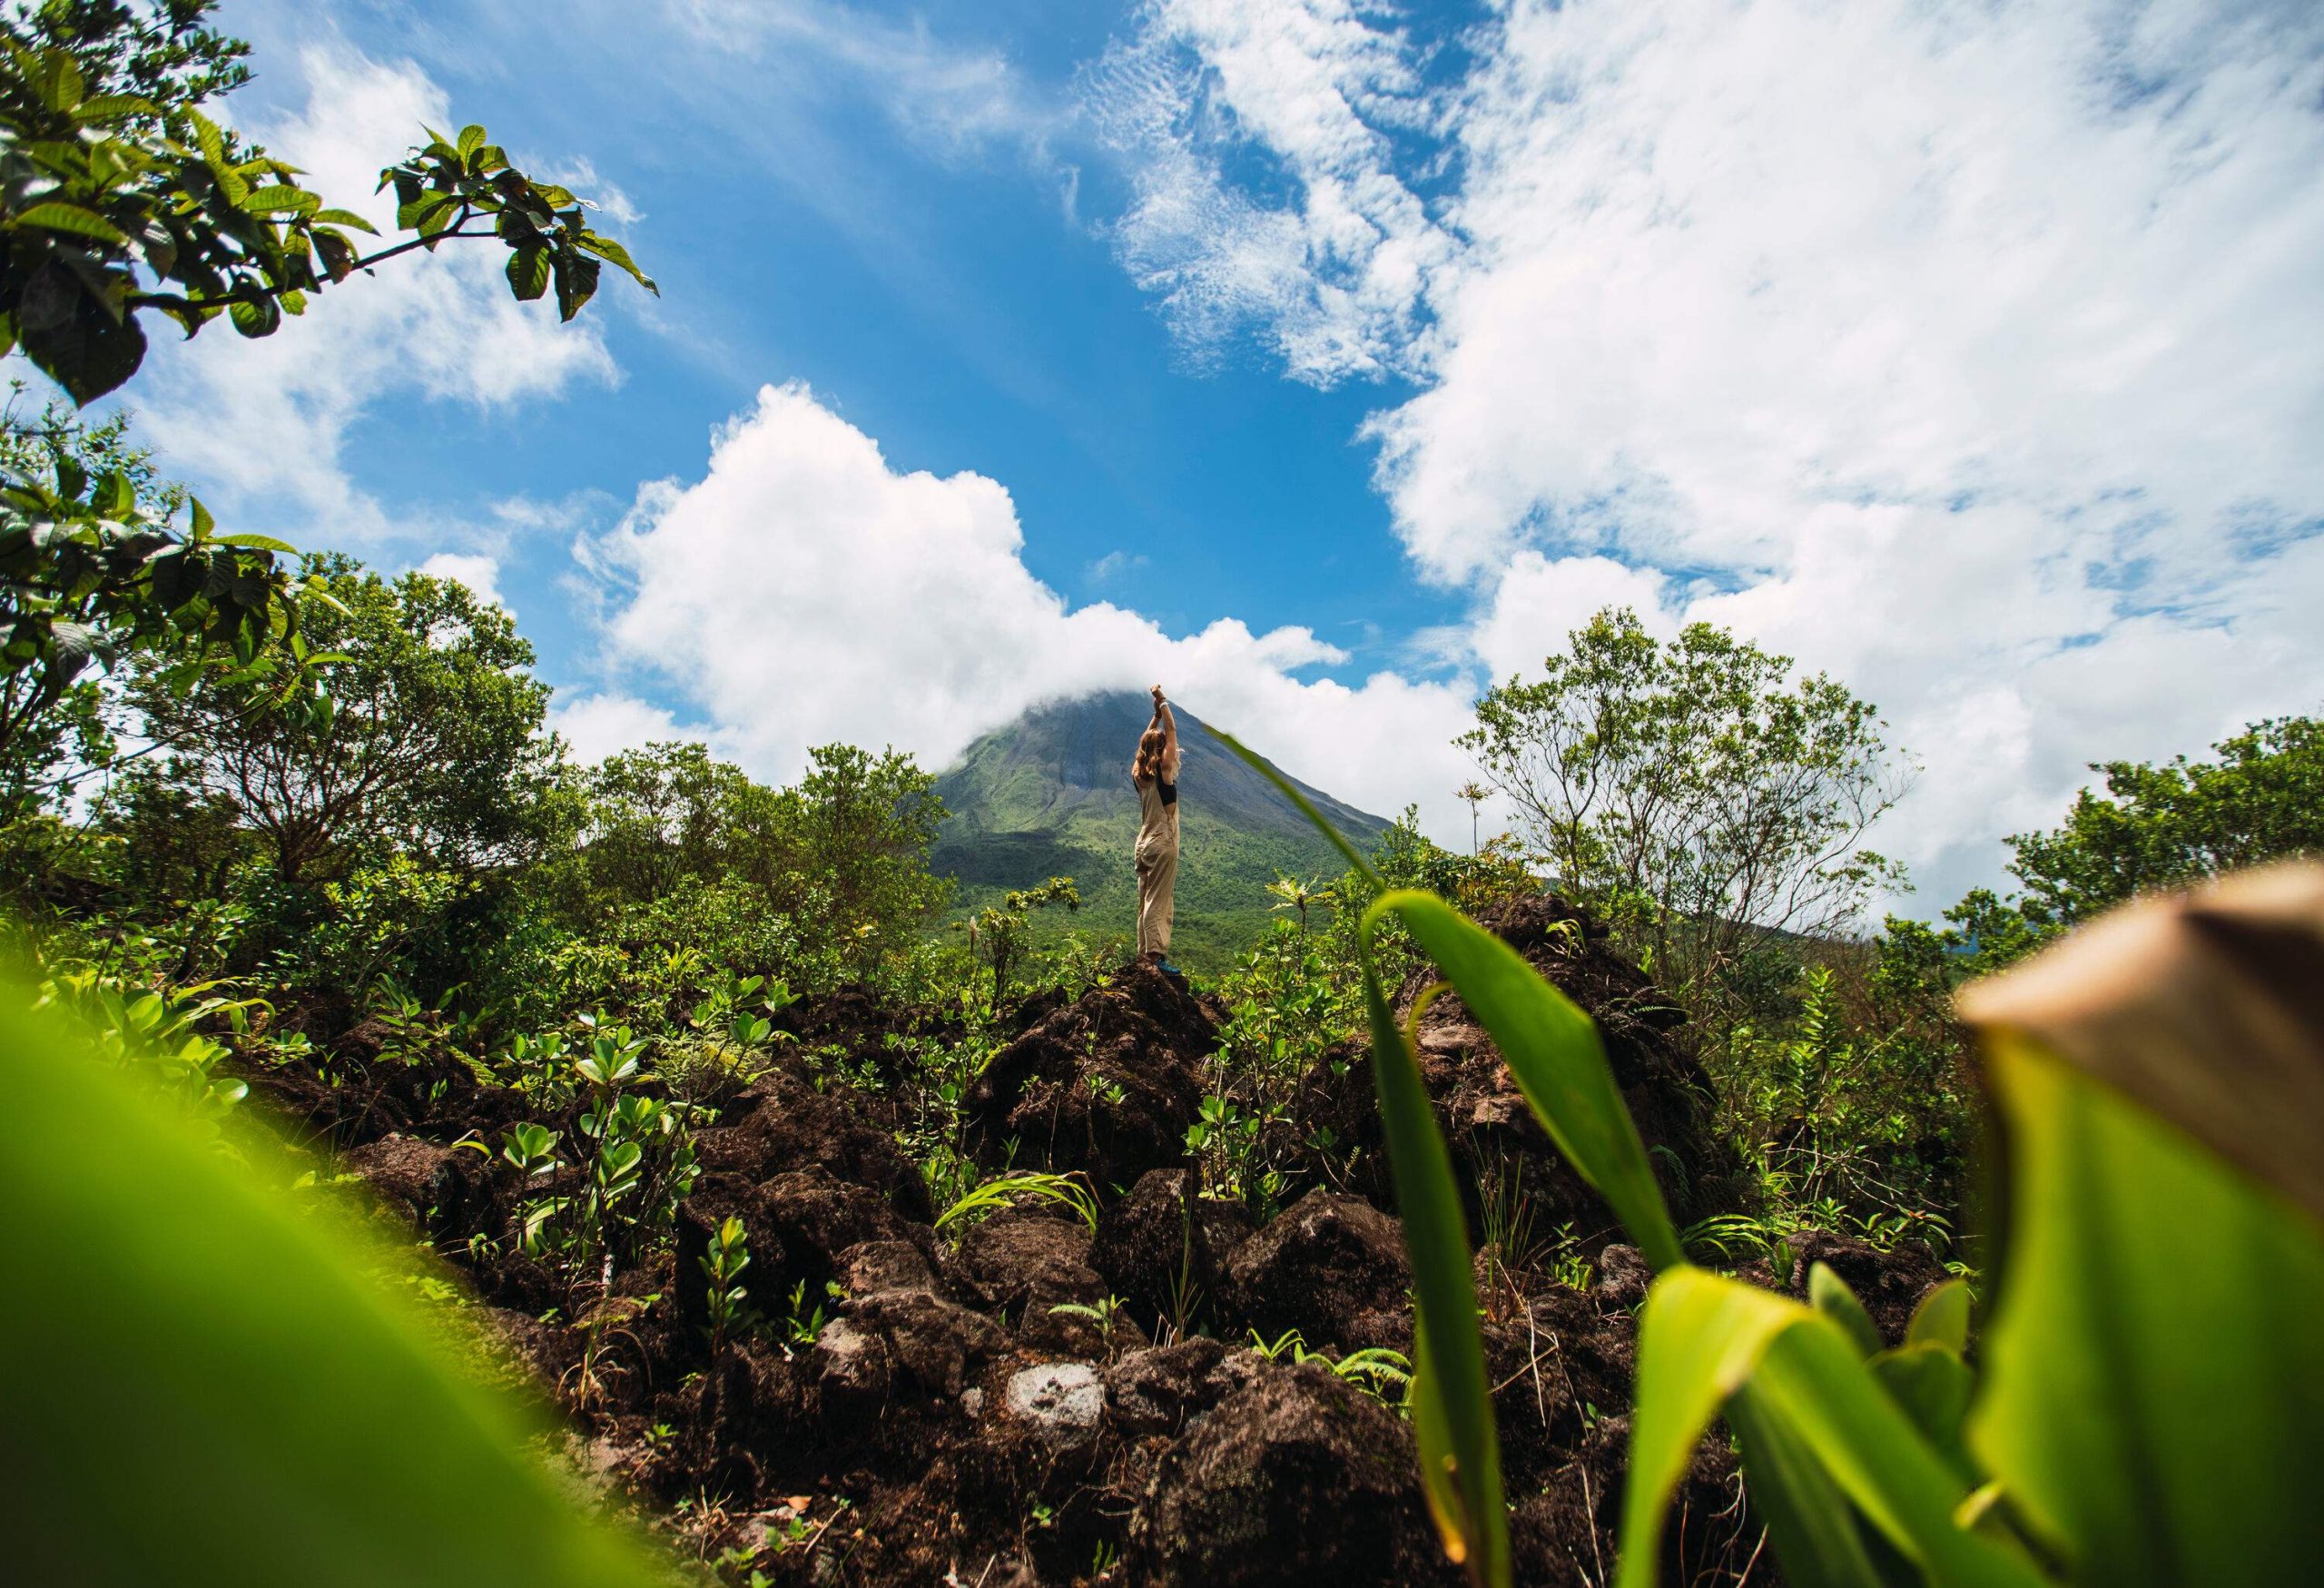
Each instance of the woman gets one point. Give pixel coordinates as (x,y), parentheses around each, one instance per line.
(1154,773)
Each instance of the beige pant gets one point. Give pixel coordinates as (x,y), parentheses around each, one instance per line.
(1157,872)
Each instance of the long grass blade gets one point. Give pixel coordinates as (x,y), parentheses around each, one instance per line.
(1306,806)
(1453,1395)
(1554,1054)
(221,1383)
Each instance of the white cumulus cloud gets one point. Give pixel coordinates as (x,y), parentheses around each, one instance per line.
(479,573)
(805,590)
(1966,351)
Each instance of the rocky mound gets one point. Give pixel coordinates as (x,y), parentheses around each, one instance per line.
(1498,1146)
(1105,1085)
(1028,1401)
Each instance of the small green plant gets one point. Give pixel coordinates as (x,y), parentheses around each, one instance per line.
(1375,1369)
(728,1254)
(1104,1314)
(1065,1191)
(802,1322)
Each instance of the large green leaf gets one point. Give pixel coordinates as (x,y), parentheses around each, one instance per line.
(606,249)
(2155,1380)
(1451,1394)
(1703,1336)
(1554,1054)
(205,1381)
(56,216)
(1814,1532)
(1454,1404)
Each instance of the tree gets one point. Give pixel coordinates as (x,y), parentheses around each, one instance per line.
(676,845)
(120,197)
(428,741)
(862,826)
(666,814)
(1693,790)
(2157,826)
(92,570)
(1003,931)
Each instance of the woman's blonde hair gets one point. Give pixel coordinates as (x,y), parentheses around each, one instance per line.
(1149,762)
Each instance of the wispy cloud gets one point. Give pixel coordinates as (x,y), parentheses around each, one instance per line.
(1957,349)
(1114,565)
(1333,272)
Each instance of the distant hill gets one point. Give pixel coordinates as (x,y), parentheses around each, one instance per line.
(1049,796)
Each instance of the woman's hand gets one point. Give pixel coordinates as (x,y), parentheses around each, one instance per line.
(1158,697)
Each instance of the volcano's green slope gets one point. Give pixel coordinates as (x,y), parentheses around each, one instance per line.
(1049,796)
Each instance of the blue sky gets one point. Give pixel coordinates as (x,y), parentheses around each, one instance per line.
(942,295)
(1327,360)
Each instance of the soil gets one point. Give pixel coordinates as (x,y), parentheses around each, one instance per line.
(944,1422)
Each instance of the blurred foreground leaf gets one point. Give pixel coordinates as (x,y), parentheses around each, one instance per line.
(205,1381)
(2154,1387)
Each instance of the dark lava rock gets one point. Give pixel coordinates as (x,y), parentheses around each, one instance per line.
(1331,1267)
(1296,1478)
(813,1217)
(1022,1262)
(1623,1278)
(439,1189)
(1162,1390)
(881,1267)
(1485,1119)
(782,1123)
(1053,1089)
(901,1346)
(1162,1248)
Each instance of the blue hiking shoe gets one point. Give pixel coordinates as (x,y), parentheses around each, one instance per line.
(1167,969)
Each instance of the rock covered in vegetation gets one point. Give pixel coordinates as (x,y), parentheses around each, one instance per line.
(977,1431)
(1105,1085)
(1296,1477)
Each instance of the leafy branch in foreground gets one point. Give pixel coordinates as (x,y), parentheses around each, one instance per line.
(2160,1081)
(113,202)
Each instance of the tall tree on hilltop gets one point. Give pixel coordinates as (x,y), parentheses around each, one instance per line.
(1693,790)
